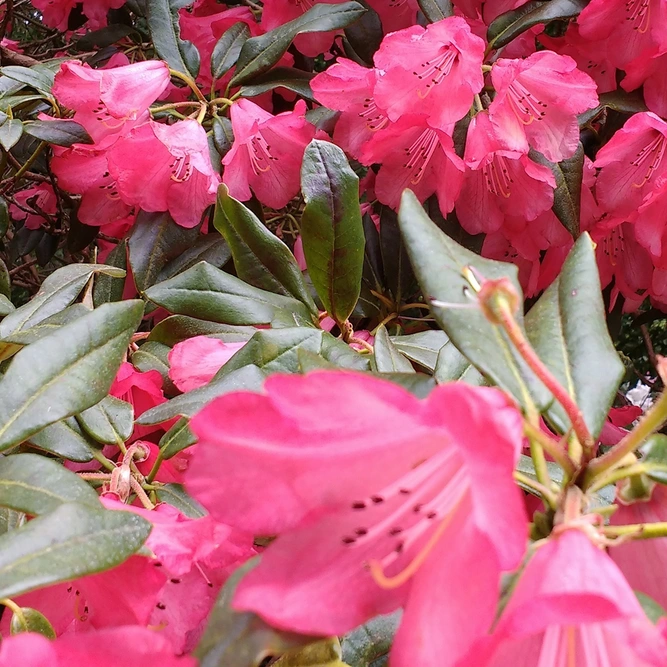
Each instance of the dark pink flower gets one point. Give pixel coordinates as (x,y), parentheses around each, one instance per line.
(414,155)
(650,70)
(651,223)
(267,153)
(499,182)
(55,13)
(631,163)
(591,56)
(166,168)
(32,203)
(537,101)
(613,429)
(142,390)
(629,26)
(194,361)
(400,532)
(128,645)
(348,87)
(571,606)
(109,101)
(488,9)
(395,15)
(84,170)
(434,71)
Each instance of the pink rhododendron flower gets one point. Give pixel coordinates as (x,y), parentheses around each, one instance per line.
(499,182)
(395,15)
(613,429)
(571,606)
(488,9)
(591,56)
(417,156)
(55,13)
(434,71)
(276,13)
(651,225)
(650,70)
(109,101)
(193,362)
(84,170)
(644,562)
(400,532)
(348,87)
(537,102)
(32,203)
(142,390)
(166,168)
(630,27)
(631,163)
(267,153)
(128,645)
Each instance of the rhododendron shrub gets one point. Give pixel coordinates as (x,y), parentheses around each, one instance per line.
(309,333)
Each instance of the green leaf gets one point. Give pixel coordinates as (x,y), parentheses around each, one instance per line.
(654,457)
(511,24)
(209,248)
(568,329)
(288,78)
(110,422)
(31,620)
(387,357)
(398,274)
(107,288)
(6,306)
(310,361)
(439,264)
(180,54)
(175,495)
(452,365)
(419,384)
(176,439)
(39,79)
(364,36)
(260,54)
(618,100)
(70,542)
(154,240)
(436,10)
(423,347)
(100,39)
(66,440)
(10,133)
(240,639)
(4,217)
(208,293)
(248,378)
(651,608)
(66,372)
(46,327)
(227,49)
(5,279)
(57,292)
(260,257)
(371,641)
(567,196)
(342,355)
(176,328)
(320,653)
(36,485)
(331,227)
(10,520)
(223,134)
(152,356)
(58,132)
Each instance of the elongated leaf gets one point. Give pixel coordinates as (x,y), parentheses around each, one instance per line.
(439,264)
(240,639)
(36,485)
(58,132)
(387,357)
(31,620)
(176,328)
(6,306)
(618,100)
(103,37)
(436,10)
(227,49)
(107,288)
(10,133)
(260,257)
(207,293)
(152,356)
(372,641)
(331,228)
(568,330)
(260,54)
(176,439)
(288,78)
(4,217)
(66,440)
(248,378)
(110,422)
(419,384)
(452,365)
(180,54)
(175,495)
(223,135)
(56,293)
(155,239)
(210,248)
(567,197)
(364,36)
(39,79)
(70,542)
(66,372)
(398,274)
(321,653)
(46,327)
(511,24)
(423,347)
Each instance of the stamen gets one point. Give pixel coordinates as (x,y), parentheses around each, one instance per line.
(420,153)
(655,151)
(375,119)
(525,105)
(436,69)
(497,178)
(181,169)
(639,12)
(259,153)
